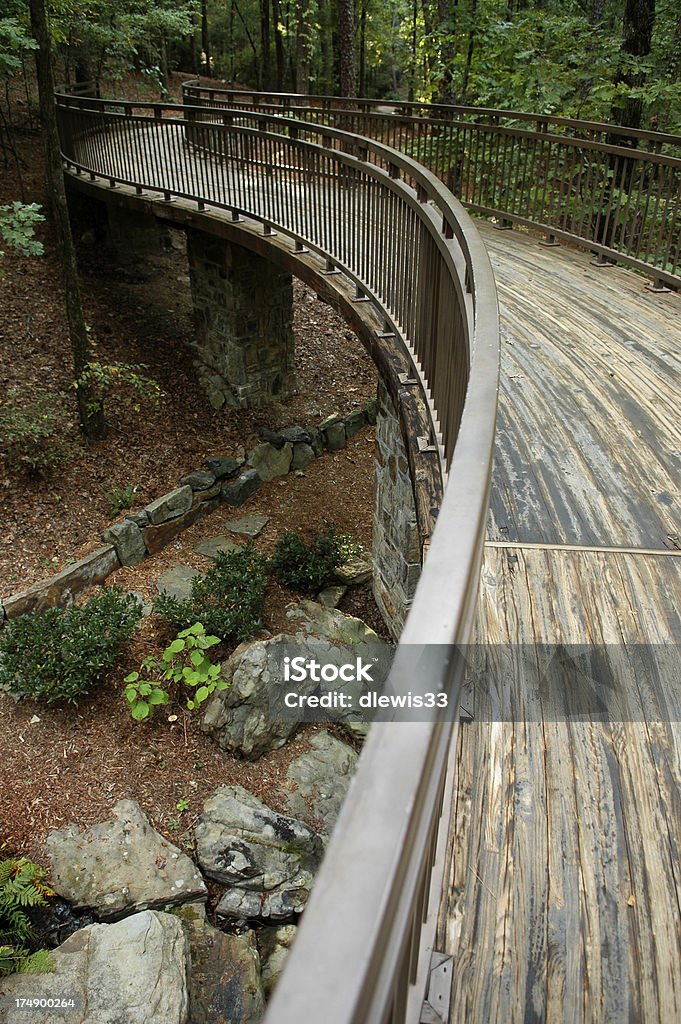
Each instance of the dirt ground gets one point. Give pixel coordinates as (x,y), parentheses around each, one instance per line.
(61,765)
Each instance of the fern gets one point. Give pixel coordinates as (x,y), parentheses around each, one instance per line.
(21,886)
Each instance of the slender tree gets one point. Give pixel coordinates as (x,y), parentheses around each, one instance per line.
(346,46)
(90,408)
(637,36)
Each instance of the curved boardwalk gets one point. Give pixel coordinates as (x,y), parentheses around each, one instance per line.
(563,901)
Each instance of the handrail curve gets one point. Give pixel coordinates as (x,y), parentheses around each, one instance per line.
(392,227)
(615,191)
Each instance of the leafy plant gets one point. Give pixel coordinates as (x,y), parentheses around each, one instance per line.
(17,224)
(120,498)
(307,567)
(228,600)
(21,888)
(98,378)
(59,654)
(184,661)
(33,434)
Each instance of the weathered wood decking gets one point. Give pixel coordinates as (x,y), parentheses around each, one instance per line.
(563,901)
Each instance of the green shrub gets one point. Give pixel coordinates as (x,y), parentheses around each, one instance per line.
(183,661)
(228,600)
(120,498)
(21,887)
(307,567)
(33,435)
(59,654)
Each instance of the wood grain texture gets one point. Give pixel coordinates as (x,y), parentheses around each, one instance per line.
(588,437)
(563,898)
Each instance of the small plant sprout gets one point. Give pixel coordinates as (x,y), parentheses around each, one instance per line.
(185,662)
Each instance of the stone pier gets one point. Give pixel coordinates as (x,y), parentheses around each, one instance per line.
(396,544)
(243,311)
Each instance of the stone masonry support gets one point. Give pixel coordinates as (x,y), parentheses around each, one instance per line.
(243,313)
(396,544)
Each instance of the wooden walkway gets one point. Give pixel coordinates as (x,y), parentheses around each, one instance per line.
(563,902)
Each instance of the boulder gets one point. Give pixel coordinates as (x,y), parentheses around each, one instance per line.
(333,432)
(223,466)
(267,857)
(355,571)
(236,492)
(303,455)
(275,944)
(247,718)
(225,985)
(371,410)
(125,973)
(199,480)
(297,435)
(64,586)
(128,541)
(354,422)
(156,537)
(169,506)
(121,866)
(317,781)
(331,597)
(271,462)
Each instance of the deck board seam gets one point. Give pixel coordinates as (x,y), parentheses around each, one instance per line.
(586,548)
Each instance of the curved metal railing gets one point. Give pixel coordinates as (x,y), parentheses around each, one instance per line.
(392,228)
(613,190)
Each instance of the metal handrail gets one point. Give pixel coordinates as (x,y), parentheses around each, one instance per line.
(613,190)
(395,231)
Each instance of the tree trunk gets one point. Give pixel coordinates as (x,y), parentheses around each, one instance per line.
(90,406)
(278,44)
(346,46)
(637,35)
(205,37)
(363,49)
(265,49)
(447,12)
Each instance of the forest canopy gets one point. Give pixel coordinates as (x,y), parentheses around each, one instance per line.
(595,59)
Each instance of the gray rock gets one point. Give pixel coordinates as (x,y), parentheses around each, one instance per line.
(177,581)
(225,984)
(332,596)
(332,625)
(303,455)
(239,491)
(354,422)
(249,526)
(146,606)
(64,586)
(275,944)
(223,466)
(271,462)
(371,410)
(125,973)
(247,718)
(210,492)
(212,545)
(317,443)
(127,539)
(121,865)
(355,571)
(273,437)
(297,435)
(198,480)
(169,506)
(333,432)
(139,518)
(243,844)
(317,781)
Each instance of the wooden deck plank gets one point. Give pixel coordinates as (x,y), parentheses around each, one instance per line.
(564,895)
(588,416)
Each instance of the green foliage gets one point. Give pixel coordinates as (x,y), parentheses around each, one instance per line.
(228,600)
(33,434)
(120,498)
(99,378)
(307,567)
(58,655)
(21,888)
(184,662)
(17,224)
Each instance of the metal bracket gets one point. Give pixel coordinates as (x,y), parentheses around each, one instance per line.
(425,445)
(435,1009)
(549,242)
(404,378)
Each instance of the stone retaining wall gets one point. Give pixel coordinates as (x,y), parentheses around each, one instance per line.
(225,479)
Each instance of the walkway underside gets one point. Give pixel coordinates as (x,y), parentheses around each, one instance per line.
(563,902)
